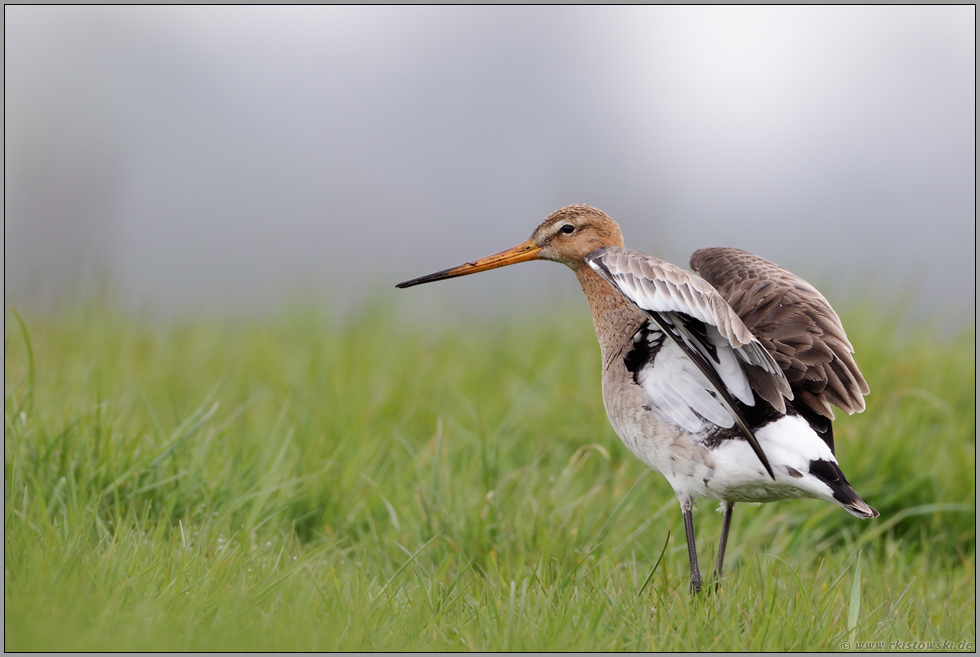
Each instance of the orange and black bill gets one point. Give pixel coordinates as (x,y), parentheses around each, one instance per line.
(520,253)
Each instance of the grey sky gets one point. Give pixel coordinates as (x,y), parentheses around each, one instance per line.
(217,159)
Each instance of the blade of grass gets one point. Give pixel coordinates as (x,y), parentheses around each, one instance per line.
(643,586)
(407,563)
(854,608)
(29,395)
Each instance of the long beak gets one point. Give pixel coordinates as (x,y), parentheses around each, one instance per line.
(520,253)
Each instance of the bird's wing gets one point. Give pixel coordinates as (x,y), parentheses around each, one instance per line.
(794,322)
(707,332)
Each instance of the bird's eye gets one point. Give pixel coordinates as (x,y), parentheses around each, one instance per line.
(568,228)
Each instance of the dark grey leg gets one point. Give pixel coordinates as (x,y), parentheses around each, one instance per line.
(692,550)
(726,524)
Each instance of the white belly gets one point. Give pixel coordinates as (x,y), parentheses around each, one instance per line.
(731,470)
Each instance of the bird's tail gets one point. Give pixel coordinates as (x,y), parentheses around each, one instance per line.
(859,507)
(830,473)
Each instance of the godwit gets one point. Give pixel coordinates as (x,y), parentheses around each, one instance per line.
(721,383)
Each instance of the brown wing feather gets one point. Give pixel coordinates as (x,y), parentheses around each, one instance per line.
(794,322)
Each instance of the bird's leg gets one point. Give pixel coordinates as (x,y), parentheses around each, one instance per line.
(723,543)
(692,550)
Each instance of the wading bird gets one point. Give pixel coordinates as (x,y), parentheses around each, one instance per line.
(722,383)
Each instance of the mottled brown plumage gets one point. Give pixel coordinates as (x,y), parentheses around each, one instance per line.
(794,322)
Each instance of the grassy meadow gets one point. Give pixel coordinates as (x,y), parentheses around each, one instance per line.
(383,483)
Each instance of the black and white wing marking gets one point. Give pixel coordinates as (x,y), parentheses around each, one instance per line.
(703,366)
(676,385)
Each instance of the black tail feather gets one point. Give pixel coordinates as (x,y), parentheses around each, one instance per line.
(830,473)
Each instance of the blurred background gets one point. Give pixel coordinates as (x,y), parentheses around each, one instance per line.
(223,160)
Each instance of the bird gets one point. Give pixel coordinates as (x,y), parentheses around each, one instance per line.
(723,381)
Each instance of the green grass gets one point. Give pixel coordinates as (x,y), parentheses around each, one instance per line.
(382,484)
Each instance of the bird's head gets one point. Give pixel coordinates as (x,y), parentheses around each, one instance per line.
(570,234)
(567,236)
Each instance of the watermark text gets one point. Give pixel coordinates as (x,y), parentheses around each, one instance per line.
(907,645)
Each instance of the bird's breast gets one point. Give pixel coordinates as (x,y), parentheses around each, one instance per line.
(660,444)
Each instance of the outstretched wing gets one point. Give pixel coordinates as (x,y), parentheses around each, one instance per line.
(709,334)
(794,322)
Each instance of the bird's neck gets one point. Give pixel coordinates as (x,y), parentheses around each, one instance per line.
(615,318)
